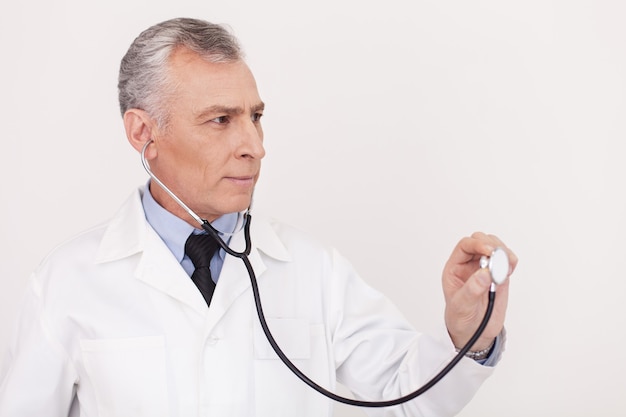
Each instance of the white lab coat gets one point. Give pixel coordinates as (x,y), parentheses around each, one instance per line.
(112,326)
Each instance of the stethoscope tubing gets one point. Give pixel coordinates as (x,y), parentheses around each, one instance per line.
(360,403)
(243,255)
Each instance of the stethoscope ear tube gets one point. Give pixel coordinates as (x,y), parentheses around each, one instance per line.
(146,166)
(202,222)
(246,227)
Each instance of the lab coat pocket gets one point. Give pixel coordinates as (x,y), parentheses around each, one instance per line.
(278,392)
(127,375)
(292,335)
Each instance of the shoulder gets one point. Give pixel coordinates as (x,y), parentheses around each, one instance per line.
(82,247)
(119,236)
(268,231)
(286,242)
(68,263)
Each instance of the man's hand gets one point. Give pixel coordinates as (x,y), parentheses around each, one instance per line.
(466,287)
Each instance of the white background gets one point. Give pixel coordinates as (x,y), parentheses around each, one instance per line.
(393,129)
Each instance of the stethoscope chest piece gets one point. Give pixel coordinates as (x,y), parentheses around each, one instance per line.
(498,265)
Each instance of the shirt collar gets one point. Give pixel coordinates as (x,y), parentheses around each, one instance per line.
(174,231)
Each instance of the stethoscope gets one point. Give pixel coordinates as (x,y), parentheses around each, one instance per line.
(497,263)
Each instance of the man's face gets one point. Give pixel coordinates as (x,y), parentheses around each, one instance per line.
(210,153)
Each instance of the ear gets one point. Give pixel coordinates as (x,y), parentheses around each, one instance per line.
(140,128)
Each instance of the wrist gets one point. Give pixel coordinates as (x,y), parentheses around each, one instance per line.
(459,340)
(480,354)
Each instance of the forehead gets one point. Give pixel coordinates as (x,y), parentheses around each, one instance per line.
(201,83)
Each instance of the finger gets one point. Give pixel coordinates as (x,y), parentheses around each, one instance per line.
(476,286)
(472,292)
(470,248)
(513,259)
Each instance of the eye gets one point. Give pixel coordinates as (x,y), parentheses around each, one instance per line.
(256,117)
(220,120)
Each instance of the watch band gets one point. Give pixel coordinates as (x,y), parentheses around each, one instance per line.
(478,355)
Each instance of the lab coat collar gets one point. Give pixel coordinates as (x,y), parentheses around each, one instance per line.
(128,234)
(125,234)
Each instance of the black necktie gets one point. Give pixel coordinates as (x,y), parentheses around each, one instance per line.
(200,249)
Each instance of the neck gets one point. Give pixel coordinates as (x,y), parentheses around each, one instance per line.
(168,203)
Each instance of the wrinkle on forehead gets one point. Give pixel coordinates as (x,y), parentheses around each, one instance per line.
(202,114)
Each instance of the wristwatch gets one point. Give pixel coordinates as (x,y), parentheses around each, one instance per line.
(478,355)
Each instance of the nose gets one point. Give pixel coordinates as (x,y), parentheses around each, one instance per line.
(251,143)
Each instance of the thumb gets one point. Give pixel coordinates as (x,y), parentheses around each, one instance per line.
(474,289)
(463,311)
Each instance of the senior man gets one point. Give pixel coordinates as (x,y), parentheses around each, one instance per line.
(124,320)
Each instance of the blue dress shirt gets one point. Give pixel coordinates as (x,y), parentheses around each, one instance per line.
(174,231)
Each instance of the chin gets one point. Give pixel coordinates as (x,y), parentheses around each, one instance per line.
(238,205)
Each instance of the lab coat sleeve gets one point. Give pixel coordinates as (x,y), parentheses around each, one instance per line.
(379,356)
(37,377)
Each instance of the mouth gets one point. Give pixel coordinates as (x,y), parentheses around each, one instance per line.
(242,181)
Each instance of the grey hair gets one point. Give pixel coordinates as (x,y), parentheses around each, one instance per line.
(143,78)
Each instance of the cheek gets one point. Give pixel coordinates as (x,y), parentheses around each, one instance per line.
(209,167)
(195,157)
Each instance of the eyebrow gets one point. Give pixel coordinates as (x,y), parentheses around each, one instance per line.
(218,109)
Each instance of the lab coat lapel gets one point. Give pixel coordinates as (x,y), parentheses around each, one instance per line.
(234,279)
(127,234)
(159,269)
